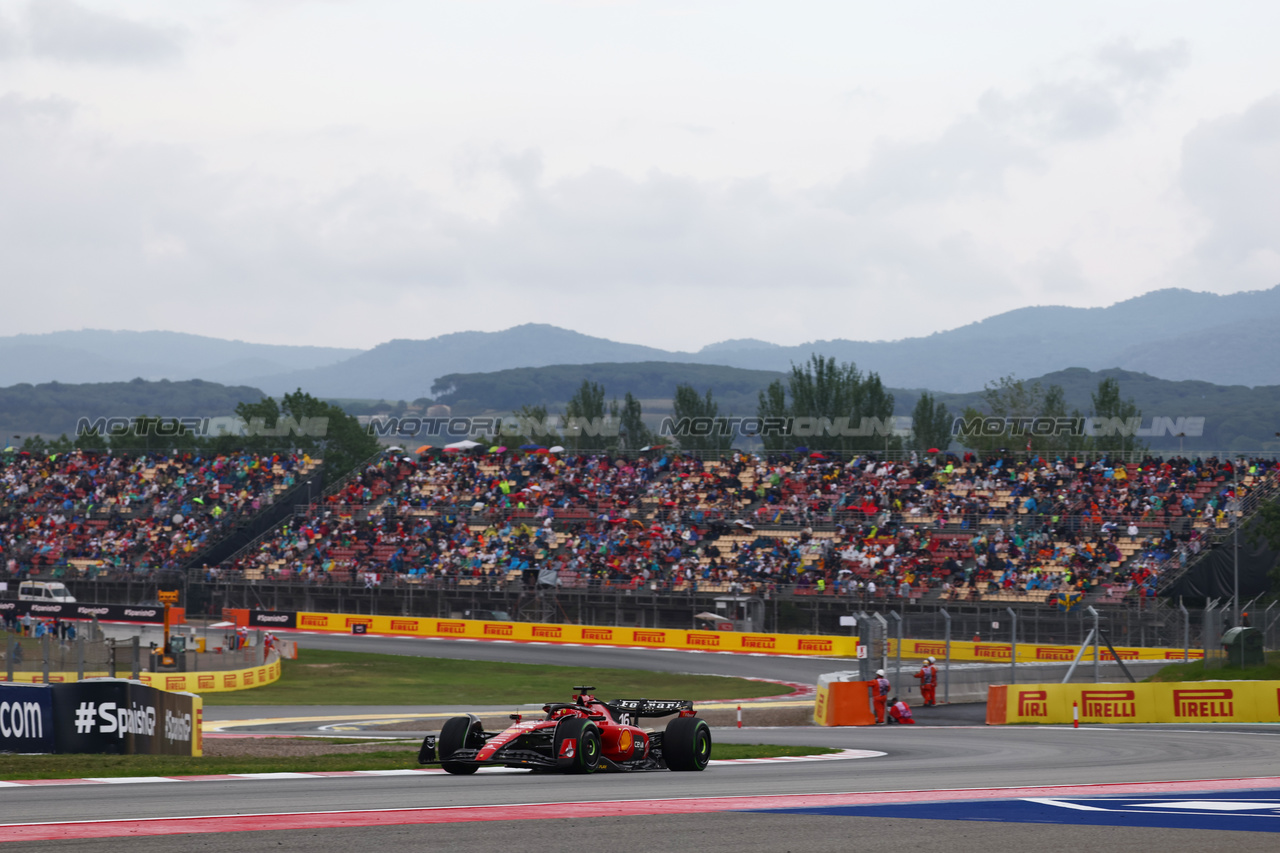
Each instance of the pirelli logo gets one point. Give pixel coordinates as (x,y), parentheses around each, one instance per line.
(1204,703)
(404,624)
(709,641)
(650,636)
(451,628)
(229,680)
(763,643)
(305,621)
(597,634)
(206,682)
(545,632)
(1173,654)
(175,682)
(1055,653)
(930,648)
(806,645)
(1033,703)
(262,675)
(1108,704)
(352,620)
(992,652)
(1125,654)
(248,677)
(499,631)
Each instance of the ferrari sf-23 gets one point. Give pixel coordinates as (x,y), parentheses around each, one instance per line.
(581,736)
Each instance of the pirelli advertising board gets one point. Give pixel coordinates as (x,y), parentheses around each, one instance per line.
(1029,652)
(526,632)
(221,681)
(1173,702)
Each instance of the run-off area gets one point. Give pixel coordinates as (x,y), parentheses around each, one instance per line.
(1243,811)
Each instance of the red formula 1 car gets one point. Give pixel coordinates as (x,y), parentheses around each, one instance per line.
(581,736)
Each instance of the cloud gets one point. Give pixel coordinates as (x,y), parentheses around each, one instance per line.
(1231,173)
(971,156)
(1006,131)
(1140,68)
(134,236)
(65,31)
(9,39)
(1118,79)
(16,109)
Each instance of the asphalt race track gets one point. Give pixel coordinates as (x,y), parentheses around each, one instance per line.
(938,787)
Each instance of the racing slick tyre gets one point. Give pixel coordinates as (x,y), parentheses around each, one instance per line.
(454,735)
(686,744)
(584,754)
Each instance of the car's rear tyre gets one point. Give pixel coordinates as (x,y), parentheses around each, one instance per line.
(455,734)
(586,746)
(686,744)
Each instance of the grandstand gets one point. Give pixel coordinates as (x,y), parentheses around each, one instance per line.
(867,531)
(86,514)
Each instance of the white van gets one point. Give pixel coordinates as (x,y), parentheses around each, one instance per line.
(48,591)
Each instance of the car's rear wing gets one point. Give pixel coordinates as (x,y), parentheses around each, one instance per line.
(649,707)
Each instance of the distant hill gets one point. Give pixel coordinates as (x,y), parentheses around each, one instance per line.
(55,408)
(734,388)
(1236,417)
(92,355)
(405,370)
(1171,334)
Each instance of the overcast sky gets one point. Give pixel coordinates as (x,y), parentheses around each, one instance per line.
(661,172)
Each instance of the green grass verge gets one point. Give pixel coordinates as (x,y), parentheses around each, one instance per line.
(351,678)
(93,766)
(1196,671)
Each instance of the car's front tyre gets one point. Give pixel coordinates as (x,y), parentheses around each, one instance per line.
(577,746)
(455,735)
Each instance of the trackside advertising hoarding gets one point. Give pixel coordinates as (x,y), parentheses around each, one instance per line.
(1166,702)
(143,613)
(122,717)
(1029,652)
(719,641)
(26,718)
(530,632)
(106,715)
(212,681)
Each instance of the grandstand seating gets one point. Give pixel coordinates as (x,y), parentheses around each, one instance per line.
(992,529)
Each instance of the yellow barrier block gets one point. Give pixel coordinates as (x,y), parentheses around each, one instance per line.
(221,681)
